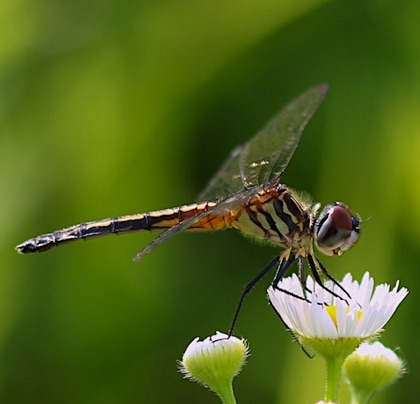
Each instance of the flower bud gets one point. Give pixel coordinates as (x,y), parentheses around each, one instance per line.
(372,367)
(214,362)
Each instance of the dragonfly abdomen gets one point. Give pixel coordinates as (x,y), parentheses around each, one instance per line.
(151,221)
(83,231)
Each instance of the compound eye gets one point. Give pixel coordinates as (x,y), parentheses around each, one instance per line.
(336,229)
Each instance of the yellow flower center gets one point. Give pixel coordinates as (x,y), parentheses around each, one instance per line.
(332,311)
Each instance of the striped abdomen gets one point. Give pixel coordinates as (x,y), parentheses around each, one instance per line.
(151,221)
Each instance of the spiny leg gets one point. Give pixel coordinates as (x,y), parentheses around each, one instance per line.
(283,267)
(281,319)
(302,275)
(314,269)
(294,295)
(331,278)
(302,272)
(288,292)
(248,288)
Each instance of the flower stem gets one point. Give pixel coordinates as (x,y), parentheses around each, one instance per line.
(360,397)
(334,370)
(226,394)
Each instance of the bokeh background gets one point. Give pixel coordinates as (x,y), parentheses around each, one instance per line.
(117,107)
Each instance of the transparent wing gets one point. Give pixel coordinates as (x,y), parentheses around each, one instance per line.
(221,208)
(226,181)
(266,156)
(261,160)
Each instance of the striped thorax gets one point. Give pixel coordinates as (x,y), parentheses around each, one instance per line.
(277,215)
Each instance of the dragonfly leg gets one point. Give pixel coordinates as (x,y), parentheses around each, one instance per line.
(294,295)
(281,319)
(284,262)
(249,287)
(302,275)
(316,266)
(283,267)
(302,278)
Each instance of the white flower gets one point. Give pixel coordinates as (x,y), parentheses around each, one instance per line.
(318,314)
(332,326)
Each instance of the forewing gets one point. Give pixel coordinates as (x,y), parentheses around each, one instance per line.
(266,156)
(167,234)
(226,181)
(221,208)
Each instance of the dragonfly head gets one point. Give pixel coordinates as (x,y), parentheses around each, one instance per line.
(336,229)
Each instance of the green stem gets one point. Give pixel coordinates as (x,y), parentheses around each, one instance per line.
(360,396)
(226,394)
(332,385)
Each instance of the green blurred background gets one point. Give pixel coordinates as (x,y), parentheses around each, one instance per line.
(117,107)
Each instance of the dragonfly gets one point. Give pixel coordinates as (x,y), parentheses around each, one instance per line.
(246,194)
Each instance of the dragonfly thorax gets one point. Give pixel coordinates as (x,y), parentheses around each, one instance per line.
(276,214)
